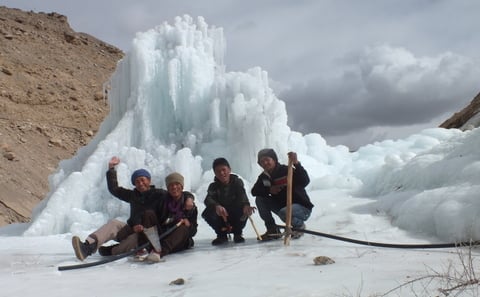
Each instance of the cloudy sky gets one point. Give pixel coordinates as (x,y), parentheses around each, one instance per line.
(353,71)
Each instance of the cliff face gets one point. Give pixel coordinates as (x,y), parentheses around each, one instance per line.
(51,102)
(467,118)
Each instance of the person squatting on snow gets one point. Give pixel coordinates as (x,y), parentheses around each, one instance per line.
(178,207)
(270,191)
(145,200)
(227,205)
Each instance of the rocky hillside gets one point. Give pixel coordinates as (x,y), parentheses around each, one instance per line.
(467,118)
(51,102)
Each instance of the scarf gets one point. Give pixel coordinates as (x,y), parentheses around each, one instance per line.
(175,208)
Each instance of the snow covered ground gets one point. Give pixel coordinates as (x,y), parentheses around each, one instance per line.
(29,264)
(175,108)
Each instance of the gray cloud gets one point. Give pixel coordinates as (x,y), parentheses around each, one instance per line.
(383,86)
(316,50)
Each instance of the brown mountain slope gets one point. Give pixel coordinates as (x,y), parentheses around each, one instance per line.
(51,102)
(459,119)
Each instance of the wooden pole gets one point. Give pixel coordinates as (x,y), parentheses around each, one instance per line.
(288,219)
(259,237)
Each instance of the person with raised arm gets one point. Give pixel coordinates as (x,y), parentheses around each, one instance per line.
(145,201)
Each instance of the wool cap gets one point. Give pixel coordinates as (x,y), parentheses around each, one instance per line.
(174,178)
(140,172)
(268,152)
(220,161)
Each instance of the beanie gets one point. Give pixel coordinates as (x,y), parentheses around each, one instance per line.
(220,161)
(138,173)
(268,152)
(174,178)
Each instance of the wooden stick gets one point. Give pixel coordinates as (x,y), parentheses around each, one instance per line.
(288,219)
(259,237)
(228,227)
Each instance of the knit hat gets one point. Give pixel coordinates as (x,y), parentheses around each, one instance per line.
(220,161)
(140,172)
(268,152)
(174,178)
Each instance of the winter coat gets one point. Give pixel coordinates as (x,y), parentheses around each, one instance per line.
(278,177)
(173,211)
(232,195)
(151,199)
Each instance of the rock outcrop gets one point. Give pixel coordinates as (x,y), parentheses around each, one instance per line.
(51,102)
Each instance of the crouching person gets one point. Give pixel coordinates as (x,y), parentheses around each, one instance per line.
(144,202)
(270,191)
(227,205)
(179,207)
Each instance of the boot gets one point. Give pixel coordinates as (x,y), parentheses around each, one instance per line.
(238,238)
(141,255)
(298,234)
(83,249)
(106,250)
(272,233)
(154,257)
(221,239)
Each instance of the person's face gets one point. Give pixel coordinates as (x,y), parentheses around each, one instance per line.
(222,173)
(142,184)
(267,163)
(175,190)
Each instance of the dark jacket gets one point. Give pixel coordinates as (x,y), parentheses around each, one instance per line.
(152,199)
(173,211)
(231,195)
(300,180)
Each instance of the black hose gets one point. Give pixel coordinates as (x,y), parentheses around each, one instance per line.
(388,245)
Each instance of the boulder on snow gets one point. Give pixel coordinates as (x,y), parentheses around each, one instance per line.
(323,260)
(178,282)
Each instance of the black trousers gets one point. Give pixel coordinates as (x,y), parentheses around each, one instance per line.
(266,206)
(149,219)
(234,224)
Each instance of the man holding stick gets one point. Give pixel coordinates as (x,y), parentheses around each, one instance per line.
(270,191)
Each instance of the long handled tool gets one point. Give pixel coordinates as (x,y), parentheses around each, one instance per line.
(259,237)
(288,219)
